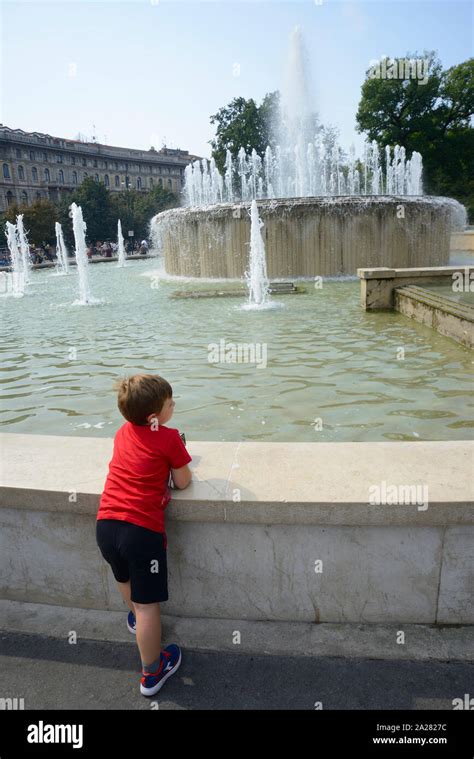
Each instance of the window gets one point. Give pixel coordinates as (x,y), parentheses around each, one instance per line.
(106,180)
(94,163)
(61,176)
(151,181)
(97,178)
(169,182)
(127,182)
(45,157)
(74,177)
(38,196)
(6,171)
(84,162)
(84,175)
(160,182)
(117,180)
(18,153)
(73,160)
(116,165)
(106,166)
(21,173)
(32,155)
(139,183)
(9,197)
(46,175)
(59,158)
(34,174)
(24,198)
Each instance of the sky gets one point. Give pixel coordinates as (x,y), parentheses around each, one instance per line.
(152,72)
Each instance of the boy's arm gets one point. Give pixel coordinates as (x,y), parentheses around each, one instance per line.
(182,476)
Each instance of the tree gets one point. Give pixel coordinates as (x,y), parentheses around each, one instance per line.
(432,118)
(38,220)
(94,199)
(243,124)
(136,209)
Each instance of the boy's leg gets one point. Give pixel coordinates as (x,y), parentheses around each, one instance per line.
(148,627)
(125,590)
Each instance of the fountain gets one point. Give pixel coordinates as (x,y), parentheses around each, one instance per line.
(121,245)
(61,251)
(256,276)
(79,229)
(24,248)
(18,274)
(324,214)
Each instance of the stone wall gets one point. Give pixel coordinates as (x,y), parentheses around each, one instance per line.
(246,537)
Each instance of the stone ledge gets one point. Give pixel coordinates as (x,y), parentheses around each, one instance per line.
(278,483)
(433,271)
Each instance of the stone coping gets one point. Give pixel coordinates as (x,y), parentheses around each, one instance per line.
(441,302)
(431,271)
(277,483)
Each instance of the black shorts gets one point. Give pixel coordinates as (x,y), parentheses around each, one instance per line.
(136,554)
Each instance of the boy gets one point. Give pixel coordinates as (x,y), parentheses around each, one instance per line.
(130,527)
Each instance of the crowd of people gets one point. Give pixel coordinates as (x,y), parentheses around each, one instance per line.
(107,249)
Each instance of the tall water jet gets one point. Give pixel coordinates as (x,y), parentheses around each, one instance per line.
(306,160)
(24,248)
(18,277)
(79,228)
(297,126)
(61,251)
(121,245)
(256,275)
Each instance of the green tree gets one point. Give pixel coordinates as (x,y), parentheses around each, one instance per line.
(38,219)
(94,199)
(136,209)
(432,118)
(243,124)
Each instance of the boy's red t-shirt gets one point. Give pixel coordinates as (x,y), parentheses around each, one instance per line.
(136,488)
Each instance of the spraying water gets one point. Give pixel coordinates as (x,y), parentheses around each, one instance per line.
(18,278)
(79,229)
(24,248)
(121,245)
(61,251)
(256,276)
(306,160)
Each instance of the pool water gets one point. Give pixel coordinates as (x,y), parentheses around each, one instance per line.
(332,372)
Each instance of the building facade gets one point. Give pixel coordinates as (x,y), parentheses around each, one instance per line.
(35,165)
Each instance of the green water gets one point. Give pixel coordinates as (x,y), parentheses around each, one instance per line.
(367,377)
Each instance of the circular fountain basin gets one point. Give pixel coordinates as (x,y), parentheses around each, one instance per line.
(309,237)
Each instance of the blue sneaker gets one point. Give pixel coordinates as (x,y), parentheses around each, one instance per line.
(151,683)
(131,622)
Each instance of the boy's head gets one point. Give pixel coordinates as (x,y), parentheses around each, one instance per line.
(143,397)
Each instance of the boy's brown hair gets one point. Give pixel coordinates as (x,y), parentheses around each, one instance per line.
(140,395)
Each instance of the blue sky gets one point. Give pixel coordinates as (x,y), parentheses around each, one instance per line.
(146,72)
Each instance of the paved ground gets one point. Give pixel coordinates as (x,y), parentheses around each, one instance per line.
(52,674)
